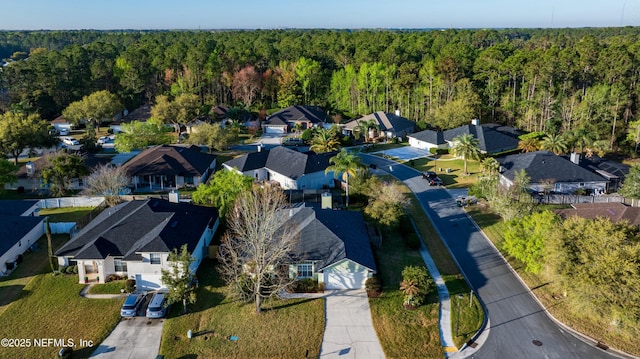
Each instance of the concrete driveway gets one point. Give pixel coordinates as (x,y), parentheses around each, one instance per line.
(136,337)
(349,330)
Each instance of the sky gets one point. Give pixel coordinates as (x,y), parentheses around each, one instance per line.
(337,14)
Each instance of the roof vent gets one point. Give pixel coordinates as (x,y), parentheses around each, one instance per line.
(174,197)
(475,122)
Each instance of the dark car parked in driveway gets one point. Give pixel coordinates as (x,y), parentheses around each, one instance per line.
(432,177)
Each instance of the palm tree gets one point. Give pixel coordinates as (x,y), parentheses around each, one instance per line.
(529,144)
(490,165)
(409,288)
(467,147)
(324,141)
(370,129)
(554,143)
(346,164)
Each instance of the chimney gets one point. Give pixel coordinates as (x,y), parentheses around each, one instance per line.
(475,122)
(174,197)
(260,147)
(398,112)
(575,158)
(290,212)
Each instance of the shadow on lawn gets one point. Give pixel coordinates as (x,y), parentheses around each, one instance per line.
(11,293)
(287,304)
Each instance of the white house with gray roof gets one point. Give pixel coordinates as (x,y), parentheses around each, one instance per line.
(333,247)
(492,138)
(290,168)
(133,240)
(548,171)
(21,228)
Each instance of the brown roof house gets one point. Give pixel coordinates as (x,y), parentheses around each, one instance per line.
(166,167)
(615,211)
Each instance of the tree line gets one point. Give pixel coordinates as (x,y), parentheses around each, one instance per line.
(550,80)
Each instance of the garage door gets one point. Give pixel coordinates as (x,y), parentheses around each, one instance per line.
(351,280)
(148,281)
(275,129)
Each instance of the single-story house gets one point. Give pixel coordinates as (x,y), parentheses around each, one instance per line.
(170,166)
(21,228)
(29,174)
(492,138)
(391,125)
(142,113)
(61,123)
(333,247)
(284,120)
(550,172)
(614,211)
(290,168)
(134,239)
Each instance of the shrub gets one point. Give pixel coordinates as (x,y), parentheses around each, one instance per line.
(74,269)
(412,241)
(405,227)
(373,286)
(113,277)
(307,285)
(130,285)
(62,269)
(416,284)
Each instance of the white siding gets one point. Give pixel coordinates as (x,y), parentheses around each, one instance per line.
(414,142)
(345,274)
(23,244)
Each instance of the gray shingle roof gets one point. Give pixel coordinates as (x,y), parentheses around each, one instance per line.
(430,136)
(544,165)
(386,121)
(330,236)
(170,160)
(16,207)
(14,228)
(313,114)
(492,138)
(285,161)
(151,225)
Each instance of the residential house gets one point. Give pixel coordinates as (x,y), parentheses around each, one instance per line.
(333,247)
(61,124)
(391,125)
(134,239)
(549,172)
(142,113)
(29,178)
(285,120)
(21,228)
(165,167)
(290,168)
(492,138)
(614,211)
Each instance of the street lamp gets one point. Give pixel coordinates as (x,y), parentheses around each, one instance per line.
(458,322)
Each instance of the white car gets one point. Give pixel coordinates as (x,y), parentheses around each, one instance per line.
(70,141)
(106,139)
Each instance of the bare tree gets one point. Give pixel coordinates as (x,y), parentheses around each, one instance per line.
(257,246)
(107,181)
(246,85)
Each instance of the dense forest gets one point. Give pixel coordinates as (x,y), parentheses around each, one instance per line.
(579,82)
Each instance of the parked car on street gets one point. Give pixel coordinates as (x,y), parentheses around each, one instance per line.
(132,305)
(293,141)
(70,141)
(157,306)
(432,178)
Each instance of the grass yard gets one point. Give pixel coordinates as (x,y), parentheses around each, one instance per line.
(286,329)
(66,214)
(112,287)
(34,263)
(547,293)
(403,333)
(453,179)
(51,307)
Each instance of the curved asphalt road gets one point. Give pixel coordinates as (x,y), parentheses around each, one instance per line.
(515,318)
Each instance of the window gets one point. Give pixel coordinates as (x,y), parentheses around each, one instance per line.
(154,258)
(119,265)
(305,270)
(188,179)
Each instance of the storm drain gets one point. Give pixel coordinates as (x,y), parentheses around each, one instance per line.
(537,343)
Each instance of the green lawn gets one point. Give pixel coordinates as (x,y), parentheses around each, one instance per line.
(51,307)
(66,214)
(453,179)
(33,263)
(624,338)
(287,329)
(112,287)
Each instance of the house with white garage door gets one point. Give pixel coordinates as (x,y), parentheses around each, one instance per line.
(284,120)
(333,247)
(134,239)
